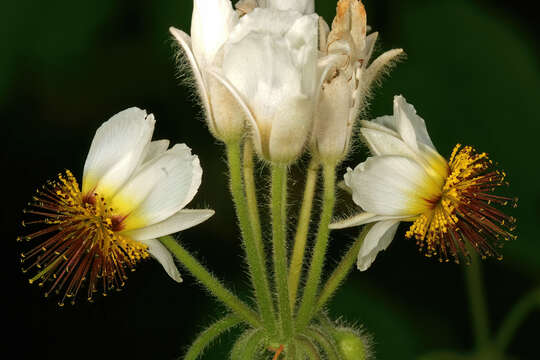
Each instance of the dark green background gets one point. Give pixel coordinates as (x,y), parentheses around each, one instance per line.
(66,66)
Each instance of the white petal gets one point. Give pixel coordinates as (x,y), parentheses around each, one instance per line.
(160,189)
(382,143)
(161,254)
(411,126)
(386,124)
(116,151)
(392,185)
(361,219)
(182,220)
(154,149)
(377,239)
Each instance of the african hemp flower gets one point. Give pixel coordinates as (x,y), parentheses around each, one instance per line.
(348,75)
(451,203)
(134,190)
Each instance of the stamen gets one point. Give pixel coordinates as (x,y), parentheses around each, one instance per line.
(83,241)
(466,211)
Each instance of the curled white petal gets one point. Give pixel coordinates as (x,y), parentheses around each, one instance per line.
(153,150)
(382,143)
(377,239)
(116,151)
(161,254)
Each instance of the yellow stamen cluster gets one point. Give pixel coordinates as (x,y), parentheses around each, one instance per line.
(464,213)
(82,241)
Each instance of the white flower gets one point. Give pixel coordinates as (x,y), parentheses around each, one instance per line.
(407,180)
(211,24)
(269,63)
(347,78)
(134,191)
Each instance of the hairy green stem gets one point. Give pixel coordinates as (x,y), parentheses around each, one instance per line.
(307,308)
(342,269)
(251,196)
(515,317)
(279,240)
(211,282)
(252,244)
(477,301)
(206,337)
(302,229)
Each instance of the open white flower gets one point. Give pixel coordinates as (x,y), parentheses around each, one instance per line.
(134,190)
(211,24)
(269,63)
(348,76)
(450,202)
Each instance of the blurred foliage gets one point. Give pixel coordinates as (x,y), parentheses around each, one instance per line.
(472,71)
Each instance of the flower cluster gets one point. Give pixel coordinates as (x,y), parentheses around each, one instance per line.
(276,68)
(272,77)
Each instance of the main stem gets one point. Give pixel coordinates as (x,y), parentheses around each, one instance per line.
(477,301)
(210,282)
(302,229)
(342,270)
(279,240)
(307,308)
(252,244)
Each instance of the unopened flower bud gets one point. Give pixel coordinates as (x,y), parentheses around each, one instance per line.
(353,345)
(269,62)
(211,24)
(347,79)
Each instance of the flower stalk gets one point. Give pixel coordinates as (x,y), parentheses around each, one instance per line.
(211,282)
(306,312)
(516,316)
(279,240)
(342,270)
(209,335)
(252,245)
(477,301)
(251,197)
(302,230)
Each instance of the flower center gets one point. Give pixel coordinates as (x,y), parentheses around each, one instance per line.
(465,215)
(82,241)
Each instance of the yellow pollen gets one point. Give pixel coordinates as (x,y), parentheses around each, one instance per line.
(81,243)
(465,213)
